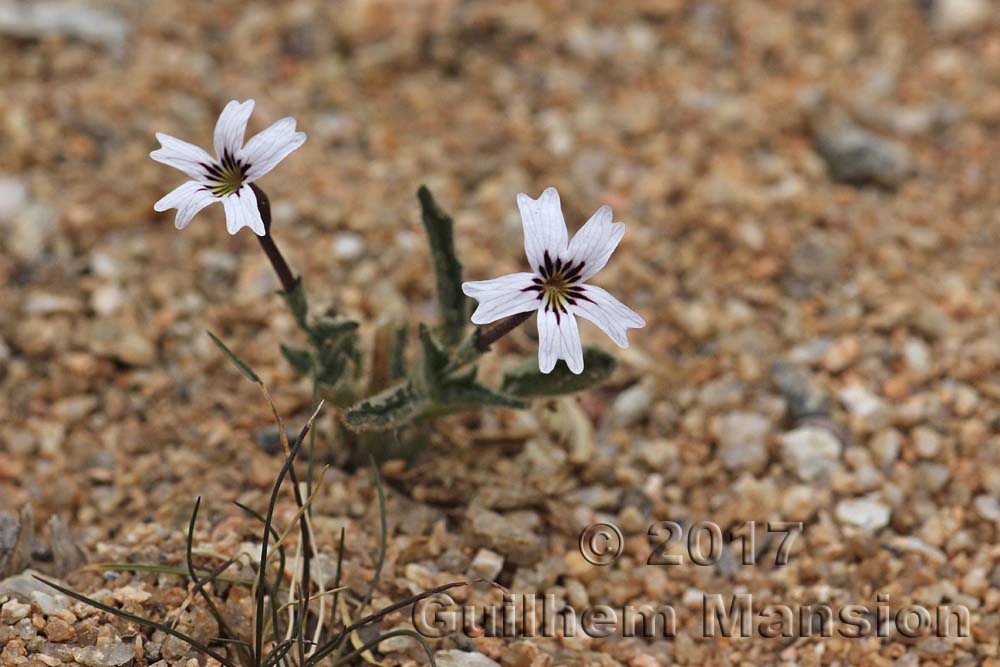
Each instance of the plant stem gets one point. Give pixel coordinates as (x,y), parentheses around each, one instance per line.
(479,342)
(281,268)
(494,332)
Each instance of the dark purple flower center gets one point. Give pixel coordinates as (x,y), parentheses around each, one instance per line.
(227,175)
(557,284)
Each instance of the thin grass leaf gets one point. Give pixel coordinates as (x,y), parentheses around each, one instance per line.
(403,632)
(159,569)
(275,589)
(239,363)
(278,653)
(354,640)
(199,584)
(268,518)
(274,535)
(336,581)
(300,512)
(334,643)
(190,641)
(383,536)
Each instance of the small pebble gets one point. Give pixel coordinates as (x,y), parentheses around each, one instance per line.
(869,515)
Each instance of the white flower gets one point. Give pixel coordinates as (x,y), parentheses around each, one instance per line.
(556,286)
(226,177)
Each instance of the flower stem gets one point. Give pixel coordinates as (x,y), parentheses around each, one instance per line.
(278,262)
(477,344)
(491,334)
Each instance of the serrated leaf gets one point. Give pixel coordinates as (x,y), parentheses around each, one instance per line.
(527,381)
(386,410)
(296,300)
(239,363)
(447,269)
(300,358)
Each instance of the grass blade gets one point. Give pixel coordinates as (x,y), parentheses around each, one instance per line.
(403,632)
(334,643)
(268,518)
(190,641)
(239,363)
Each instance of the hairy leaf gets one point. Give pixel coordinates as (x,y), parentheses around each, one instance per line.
(529,381)
(447,269)
(296,300)
(435,357)
(300,358)
(386,410)
(397,363)
(463,393)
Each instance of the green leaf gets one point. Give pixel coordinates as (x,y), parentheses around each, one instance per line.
(331,369)
(435,357)
(326,328)
(464,393)
(386,410)
(300,358)
(139,620)
(296,300)
(397,363)
(336,344)
(526,381)
(447,269)
(239,363)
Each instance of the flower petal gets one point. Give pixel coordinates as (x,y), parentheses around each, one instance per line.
(558,338)
(231,127)
(241,211)
(612,316)
(544,226)
(188,199)
(502,297)
(181,155)
(594,243)
(265,150)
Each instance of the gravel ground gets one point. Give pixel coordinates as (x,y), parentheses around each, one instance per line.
(813,215)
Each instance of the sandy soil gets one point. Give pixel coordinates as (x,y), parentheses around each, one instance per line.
(811,196)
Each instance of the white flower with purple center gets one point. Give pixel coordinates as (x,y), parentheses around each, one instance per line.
(556,287)
(226,177)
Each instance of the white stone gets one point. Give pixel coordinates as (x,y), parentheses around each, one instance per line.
(917,355)
(742,438)
(107,300)
(885,445)
(868,411)
(13,195)
(348,245)
(927,442)
(864,513)
(631,405)
(456,658)
(954,16)
(810,451)
(987,507)
(486,564)
(13,611)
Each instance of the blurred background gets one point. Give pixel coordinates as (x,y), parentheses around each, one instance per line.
(811,196)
